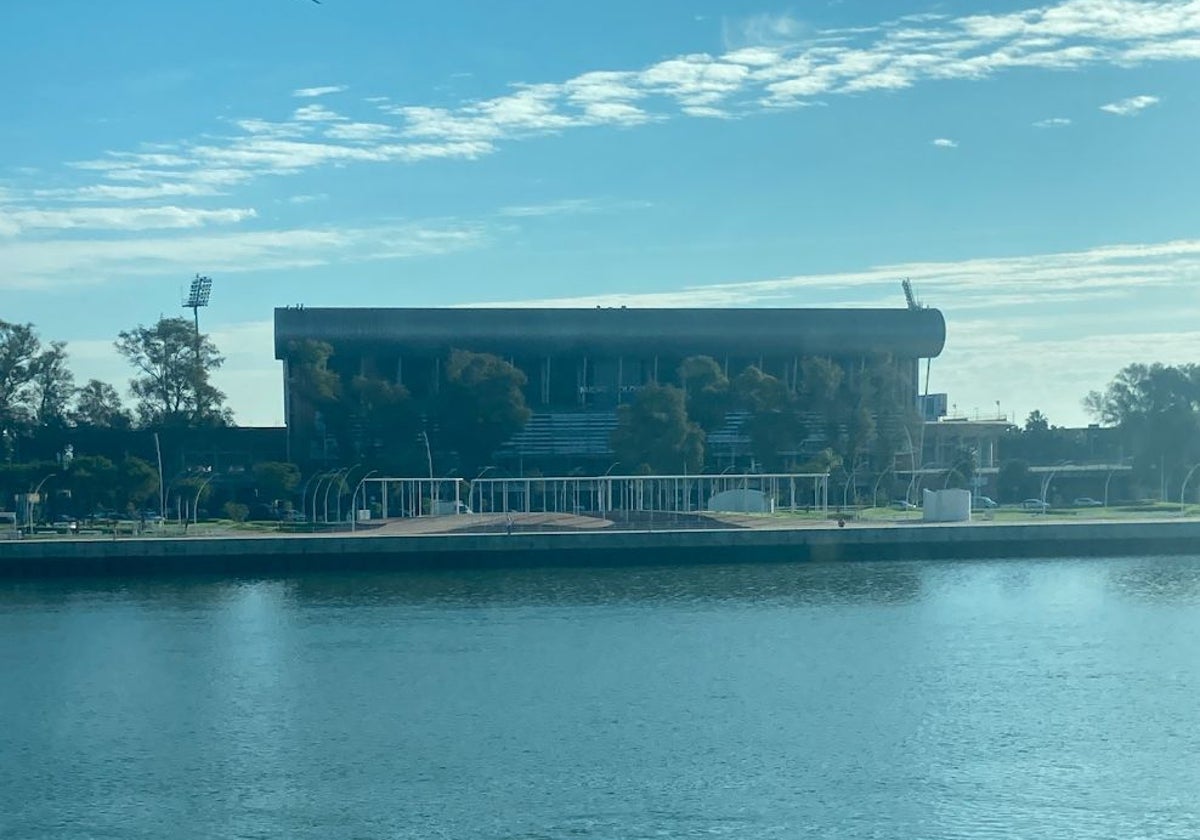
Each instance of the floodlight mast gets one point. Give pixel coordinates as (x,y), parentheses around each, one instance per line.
(198,297)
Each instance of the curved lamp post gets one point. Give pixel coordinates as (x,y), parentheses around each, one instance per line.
(196,501)
(875,491)
(317,489)
(471,487)
(341,487)
(354,500)
(29,503)
(334,478)
(1183,489)
(846,486)
(1046,488)
(304,492)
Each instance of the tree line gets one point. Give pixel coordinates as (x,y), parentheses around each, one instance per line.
(1148,418)
(860,417)
(171,384)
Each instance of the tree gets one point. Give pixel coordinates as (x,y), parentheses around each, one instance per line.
(385,419)
(52,386)
(1157,410)
(276,480)
(653,433)
(174,364)
(1014,482)
(774,425)
(308,369)
(235,511)
(137,482)
(19,351)
(92,480)
(480,406)
(98,405)
(1037,422)
(706,392)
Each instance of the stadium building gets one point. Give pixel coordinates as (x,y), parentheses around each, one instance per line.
(581,364)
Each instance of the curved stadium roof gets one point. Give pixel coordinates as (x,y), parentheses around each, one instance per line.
(911,333)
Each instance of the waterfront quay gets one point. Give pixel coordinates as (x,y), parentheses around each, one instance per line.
(381,550)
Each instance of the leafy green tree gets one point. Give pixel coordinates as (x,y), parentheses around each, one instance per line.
(235,511)
(1157,410)
(654,435)
(137,482)
(20,348)
(52,386)
(385,419)
(92,480)
(308,369)
(98,405)
(276,480)
(1015,482)
(480,406)
(774,426)
(174,366)
(706,392)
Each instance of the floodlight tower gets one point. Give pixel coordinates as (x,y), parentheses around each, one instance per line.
(198,296)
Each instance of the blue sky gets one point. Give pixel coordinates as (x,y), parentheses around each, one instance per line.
(1032,169)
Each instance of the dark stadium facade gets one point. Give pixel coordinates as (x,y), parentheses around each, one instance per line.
(581,364)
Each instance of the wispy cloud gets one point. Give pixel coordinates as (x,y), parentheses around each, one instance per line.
(775,62)
(1130,107)
(977,283)
(32,264)
(762,30)
(1052,122)
(569,207)
(945,143)
(14,221)
(313,92)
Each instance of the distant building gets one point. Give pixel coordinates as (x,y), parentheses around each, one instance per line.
(581,364)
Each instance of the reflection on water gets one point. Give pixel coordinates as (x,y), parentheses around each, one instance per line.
(965,699)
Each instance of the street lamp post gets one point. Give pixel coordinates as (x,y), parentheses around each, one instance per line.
(846,486)
(471,490)
(341,487)
(1183,489)
(1046,489)
(317,489)
(304,493)
(29,503)
(196,501)
(334,479)
(428,454)
(354,500)
(875,492)
(1107,479)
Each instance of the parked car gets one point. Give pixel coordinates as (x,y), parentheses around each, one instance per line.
(1087,501)
(983,502)
(901,504)
(1034,504)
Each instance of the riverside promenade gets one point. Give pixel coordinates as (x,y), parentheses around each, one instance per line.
(272,554)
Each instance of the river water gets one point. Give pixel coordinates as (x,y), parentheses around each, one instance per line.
(1056,698)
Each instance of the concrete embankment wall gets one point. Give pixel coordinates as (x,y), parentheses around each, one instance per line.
(269,555)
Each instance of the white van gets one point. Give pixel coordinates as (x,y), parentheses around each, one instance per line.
(441,508)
